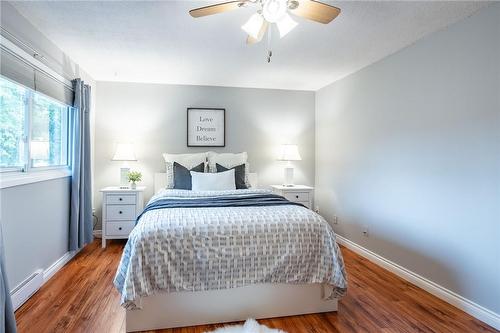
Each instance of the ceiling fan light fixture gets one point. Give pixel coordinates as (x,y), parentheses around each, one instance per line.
(285,25)
(274,10)
(254,25)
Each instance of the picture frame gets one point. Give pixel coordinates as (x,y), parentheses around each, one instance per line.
(206,127)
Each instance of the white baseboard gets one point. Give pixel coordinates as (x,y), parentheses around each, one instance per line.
(97,233)
(485,315)
(21,293)
(57,265)
(26,289)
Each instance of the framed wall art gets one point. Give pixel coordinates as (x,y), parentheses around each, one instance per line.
(206,127)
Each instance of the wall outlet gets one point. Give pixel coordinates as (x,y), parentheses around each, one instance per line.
(335,219)
(93,211)
(366,231)
(316,209)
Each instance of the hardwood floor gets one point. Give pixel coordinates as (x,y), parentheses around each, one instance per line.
(81,298)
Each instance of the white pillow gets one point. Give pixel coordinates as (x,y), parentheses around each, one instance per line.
(220,181)
(229,160)
(188,161)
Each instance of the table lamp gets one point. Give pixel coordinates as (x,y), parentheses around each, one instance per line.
(289,153)
(39,150)
(124,152)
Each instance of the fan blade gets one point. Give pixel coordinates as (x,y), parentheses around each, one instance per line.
(216,9)
(262,32)
(316,11)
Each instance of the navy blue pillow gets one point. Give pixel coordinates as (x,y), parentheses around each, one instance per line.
(239,175)
(182,176)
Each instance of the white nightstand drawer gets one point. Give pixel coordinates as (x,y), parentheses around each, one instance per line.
(120,207)
(120,212)
(298,193)
(297,196)
(120,199)
(121,228)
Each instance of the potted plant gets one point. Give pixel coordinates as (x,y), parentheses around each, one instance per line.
(133,178)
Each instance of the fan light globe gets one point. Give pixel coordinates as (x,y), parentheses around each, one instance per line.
(274,10)
(285,25)
(254,25)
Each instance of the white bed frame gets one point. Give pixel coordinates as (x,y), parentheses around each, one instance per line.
(180,309)
(220,306)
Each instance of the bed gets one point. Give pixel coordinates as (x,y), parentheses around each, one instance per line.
(207,257)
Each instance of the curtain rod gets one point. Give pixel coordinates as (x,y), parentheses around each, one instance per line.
(15,50)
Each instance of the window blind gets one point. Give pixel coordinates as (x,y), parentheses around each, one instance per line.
(23,72)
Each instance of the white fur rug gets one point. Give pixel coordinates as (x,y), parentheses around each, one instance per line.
(250,326)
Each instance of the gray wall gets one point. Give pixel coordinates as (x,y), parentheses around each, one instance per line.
(16,24)
(35,217)
(35,226)
(153,117)
(410,148)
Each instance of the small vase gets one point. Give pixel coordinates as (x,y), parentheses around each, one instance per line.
(133,185)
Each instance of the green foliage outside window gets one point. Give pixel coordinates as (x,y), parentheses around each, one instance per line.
(47,128)
(13,100)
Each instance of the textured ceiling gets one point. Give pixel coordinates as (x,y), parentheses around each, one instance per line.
(159,42)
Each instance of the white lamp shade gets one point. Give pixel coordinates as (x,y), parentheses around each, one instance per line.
(39,150)
(289,153)
(124,152)
(254,26)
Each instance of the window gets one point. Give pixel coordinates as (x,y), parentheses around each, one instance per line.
(49,129)
(12,124)
(29,117)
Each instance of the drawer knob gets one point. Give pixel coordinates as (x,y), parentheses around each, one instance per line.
(120,212)
(297,196)
(120,199)
(120,228)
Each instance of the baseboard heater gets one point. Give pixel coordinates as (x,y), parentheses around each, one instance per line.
(26,289)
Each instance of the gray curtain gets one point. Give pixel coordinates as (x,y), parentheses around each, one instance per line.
(80,226)
(7,319)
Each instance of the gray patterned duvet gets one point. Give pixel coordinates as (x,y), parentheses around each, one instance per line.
(212,248)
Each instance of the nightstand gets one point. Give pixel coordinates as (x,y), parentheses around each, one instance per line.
(297,193)
(120,208)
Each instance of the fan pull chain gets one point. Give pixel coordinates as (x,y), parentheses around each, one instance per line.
(269,51)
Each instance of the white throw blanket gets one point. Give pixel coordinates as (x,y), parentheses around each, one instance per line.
(250,326)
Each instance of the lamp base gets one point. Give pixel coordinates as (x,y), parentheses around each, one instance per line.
(288,176)
(124,177)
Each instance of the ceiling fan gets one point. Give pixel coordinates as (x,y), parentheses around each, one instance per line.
(273,12)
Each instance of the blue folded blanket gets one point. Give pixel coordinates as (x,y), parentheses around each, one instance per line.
(247,200)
